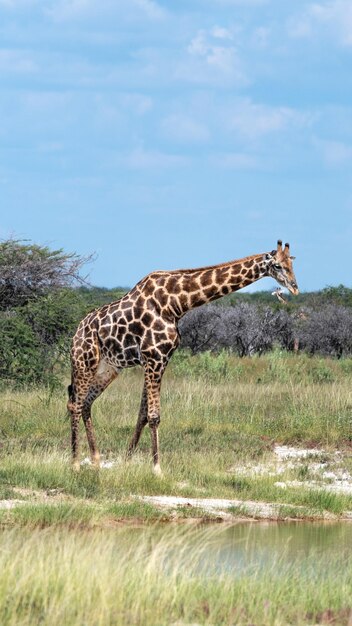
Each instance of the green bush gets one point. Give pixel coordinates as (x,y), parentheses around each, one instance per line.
(35,339)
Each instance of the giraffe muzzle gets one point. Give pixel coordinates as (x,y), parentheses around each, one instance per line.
(293,288)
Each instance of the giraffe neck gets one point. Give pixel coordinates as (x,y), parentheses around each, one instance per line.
(189,289)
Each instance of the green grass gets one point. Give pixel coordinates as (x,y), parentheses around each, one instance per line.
(63,559)
(210,422)
(105,578)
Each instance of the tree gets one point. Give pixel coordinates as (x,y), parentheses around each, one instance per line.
(200,329)
(38,311)
(28,271)
(327,331)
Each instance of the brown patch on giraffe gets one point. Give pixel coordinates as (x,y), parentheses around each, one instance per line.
(161,296)
(160,336)
(192,285)
(139,302)
(197,299)
(235,271)
(128,315)
(147,318)
(174,306)
(183,298)
(136,328)
(210,292)
(221,275)
(158,324)
(173,285)
(147,337)
(148,287)
(104,332)
(206,278)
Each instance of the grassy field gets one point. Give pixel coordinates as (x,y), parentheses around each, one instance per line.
(59,554)
(217,414)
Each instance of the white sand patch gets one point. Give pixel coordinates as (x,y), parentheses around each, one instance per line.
(222,508)
(103,464)
(321,469)
(289,452)
(11,504)
(216,506)
(343,487)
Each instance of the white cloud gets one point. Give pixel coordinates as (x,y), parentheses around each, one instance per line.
(16,61)
(236,161)
(335,153)
(138,103)
(333,17)
(139,158)
(17,4)
(239,2)
(212,59)
(256,120)
(184,129)
(261,36)
(132,10)
(150,8)
(221,33)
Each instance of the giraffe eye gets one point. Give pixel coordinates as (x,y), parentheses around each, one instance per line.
(277,266)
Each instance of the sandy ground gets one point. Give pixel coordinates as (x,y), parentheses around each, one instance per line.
(320,469)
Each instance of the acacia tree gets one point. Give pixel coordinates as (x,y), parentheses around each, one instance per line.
(28,271)
(38,310)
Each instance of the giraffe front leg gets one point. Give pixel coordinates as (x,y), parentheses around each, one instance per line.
(141,422)
(153,385)
(94,452)
(75,411)
(154,423)
(75,417)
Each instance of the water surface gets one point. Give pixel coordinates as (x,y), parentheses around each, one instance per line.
(242,546)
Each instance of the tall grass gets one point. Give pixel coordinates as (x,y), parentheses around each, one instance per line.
(217,411)
(107,578)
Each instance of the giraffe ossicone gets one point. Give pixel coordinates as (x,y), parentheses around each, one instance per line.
(141,329)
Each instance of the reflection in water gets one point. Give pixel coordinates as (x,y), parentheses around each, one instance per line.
(245,547)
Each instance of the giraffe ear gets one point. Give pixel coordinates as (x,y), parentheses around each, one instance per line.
(292,258)
(268,256)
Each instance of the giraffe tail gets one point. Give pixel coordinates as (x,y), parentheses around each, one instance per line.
(71,392)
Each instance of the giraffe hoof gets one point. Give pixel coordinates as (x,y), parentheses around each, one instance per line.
(157,470)
(96,462)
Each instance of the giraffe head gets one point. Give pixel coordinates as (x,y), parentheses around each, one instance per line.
(279,266)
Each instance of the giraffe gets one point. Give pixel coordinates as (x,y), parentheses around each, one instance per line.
(141,329)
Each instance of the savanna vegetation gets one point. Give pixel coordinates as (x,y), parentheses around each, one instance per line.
(43,296)
(250,374)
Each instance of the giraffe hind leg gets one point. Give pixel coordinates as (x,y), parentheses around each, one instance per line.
(77,392)
(103,377)
(86,385)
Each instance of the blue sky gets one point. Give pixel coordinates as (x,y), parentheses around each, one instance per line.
(178,134)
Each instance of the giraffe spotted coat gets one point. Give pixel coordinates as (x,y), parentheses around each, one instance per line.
(141,329)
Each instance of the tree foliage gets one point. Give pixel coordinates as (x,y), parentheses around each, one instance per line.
(28,271)
(249,329)
(38,311)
